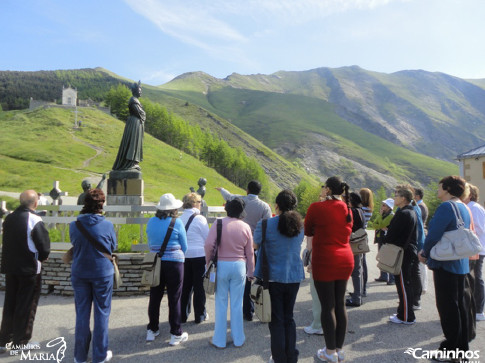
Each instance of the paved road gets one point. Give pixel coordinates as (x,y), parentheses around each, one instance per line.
(370,337)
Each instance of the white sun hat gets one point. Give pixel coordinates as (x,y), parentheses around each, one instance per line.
(168,202)
(389,202)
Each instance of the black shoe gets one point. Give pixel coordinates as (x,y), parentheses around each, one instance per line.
(248,317)
(380,279)
(349,302)
(391,283)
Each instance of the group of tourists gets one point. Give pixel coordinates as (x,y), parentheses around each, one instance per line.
(191,244)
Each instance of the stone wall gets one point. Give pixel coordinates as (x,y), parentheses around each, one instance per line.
(56,275)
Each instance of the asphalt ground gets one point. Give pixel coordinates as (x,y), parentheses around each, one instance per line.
(370,336)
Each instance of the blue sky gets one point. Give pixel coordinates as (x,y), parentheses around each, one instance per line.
(157,40)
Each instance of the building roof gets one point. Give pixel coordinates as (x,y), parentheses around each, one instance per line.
(479,151)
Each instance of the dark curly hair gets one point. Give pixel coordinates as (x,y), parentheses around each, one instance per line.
(93,202)
(454,185)
(290,222)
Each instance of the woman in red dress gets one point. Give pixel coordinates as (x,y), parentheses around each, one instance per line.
(330,224)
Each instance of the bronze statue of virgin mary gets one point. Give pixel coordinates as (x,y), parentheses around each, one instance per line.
(130,153)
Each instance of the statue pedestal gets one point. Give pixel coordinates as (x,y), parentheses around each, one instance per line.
(125,187)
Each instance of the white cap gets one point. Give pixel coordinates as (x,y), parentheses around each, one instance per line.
(389,202)
(168,202)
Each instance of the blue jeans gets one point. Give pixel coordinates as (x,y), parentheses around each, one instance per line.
(90,292)
(231,277)
(282,326)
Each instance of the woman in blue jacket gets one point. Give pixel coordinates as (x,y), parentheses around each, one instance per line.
(172,268)
(92,278)
(449,276)
(282,246)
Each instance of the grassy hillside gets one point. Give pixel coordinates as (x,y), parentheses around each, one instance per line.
(41,146)
(277,118)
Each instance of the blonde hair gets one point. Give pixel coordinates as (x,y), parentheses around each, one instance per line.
(367,198)
(465,193)
(474,193)
(190,199)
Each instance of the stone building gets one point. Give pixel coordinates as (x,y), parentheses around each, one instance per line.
(472,169)
(69,96)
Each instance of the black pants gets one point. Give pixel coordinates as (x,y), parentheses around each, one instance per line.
(334,315)
(282,326)
(193,286)
(172,276)
(416,281)
(248,305)
(22,294)
(450,301)
(470,303)
(405,289)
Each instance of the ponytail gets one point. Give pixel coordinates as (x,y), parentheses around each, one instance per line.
(290,223)
(345,188)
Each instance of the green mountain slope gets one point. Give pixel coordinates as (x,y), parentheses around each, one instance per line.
(17,87)
(41,146)
(291,122)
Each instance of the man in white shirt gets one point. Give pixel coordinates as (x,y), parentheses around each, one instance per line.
(255,210)
(478,213)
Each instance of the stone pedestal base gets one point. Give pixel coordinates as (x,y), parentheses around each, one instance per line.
(125,188)
(124,200)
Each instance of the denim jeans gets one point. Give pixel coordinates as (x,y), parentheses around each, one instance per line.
(282,326)
(231,277)
(92,292)
(357,279)
(171,276)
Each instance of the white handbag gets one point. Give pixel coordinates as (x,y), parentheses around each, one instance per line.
(457,244)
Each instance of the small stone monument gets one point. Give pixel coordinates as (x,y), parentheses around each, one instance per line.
(125,183)
(204,209)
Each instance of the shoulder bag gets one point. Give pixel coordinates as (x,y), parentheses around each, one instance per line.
(210,274)
(457,244)
(117,282)
(389,258)
(359,242)
(152,263)
(260,289)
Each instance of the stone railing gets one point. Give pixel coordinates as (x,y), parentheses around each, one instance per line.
(56,275)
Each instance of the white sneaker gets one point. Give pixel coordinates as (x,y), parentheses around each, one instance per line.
(325,357)
(109,355)
(394,319)
(177,339)
(480,317)
(152,334)
(341,356)
(309,330)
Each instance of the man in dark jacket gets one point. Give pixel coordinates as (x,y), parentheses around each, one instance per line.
(25,245)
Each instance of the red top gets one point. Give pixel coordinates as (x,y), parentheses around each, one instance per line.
(332,257)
